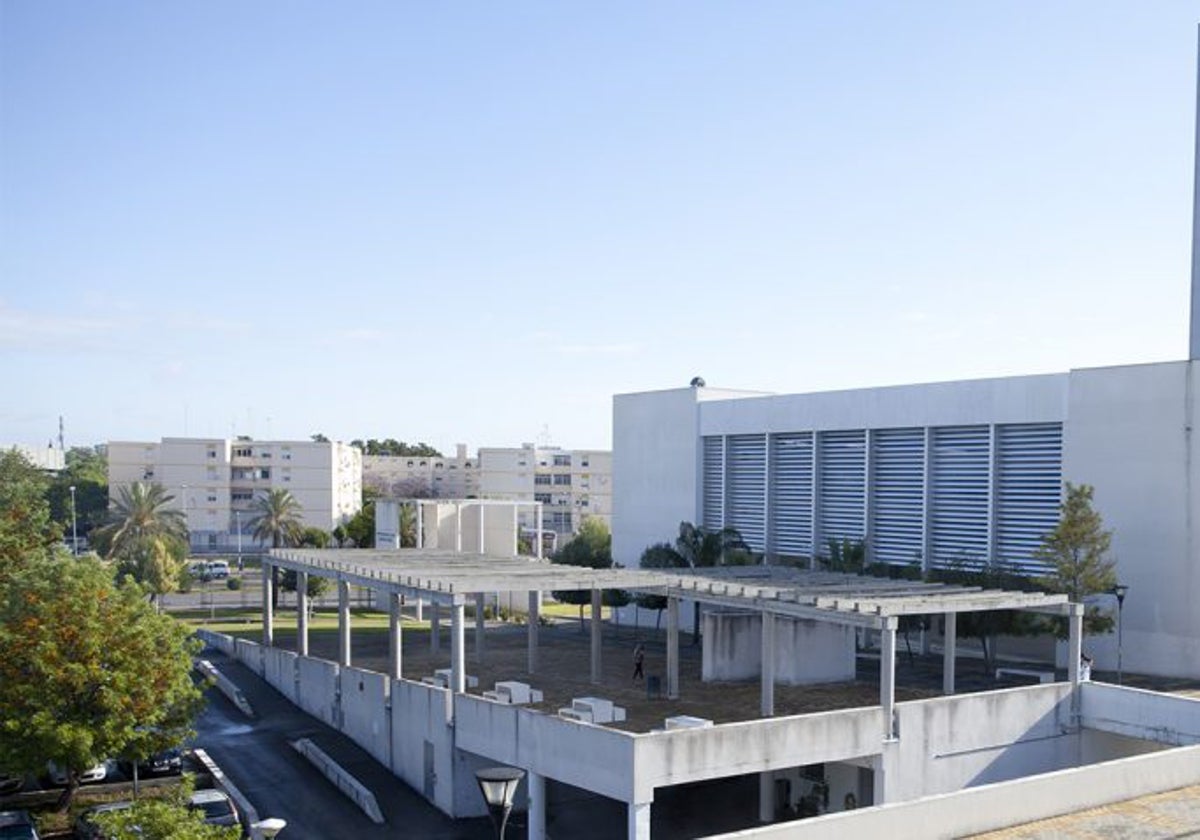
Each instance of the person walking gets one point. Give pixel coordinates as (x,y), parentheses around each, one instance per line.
(639,660)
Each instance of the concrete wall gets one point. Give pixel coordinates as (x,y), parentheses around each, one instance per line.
(249,654)
(421,716)
(317,693)
(950,743)
(1130,436)
(692,755)
(387,523)
(364,712)
(996,806)
(279,669)
(1163,718)
(805,651)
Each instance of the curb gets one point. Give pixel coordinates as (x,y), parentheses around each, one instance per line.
(248,812)
(347,784)
(226,686)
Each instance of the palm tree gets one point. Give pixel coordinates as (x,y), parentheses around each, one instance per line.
(703,547)
(141,512)
(147,537)
(277,518)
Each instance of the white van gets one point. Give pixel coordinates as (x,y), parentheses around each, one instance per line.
(218,569)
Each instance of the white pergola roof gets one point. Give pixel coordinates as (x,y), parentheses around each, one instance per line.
(449,577)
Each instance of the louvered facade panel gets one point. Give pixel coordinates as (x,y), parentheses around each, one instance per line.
(960,496)
(1028,491)
(897,495)
(792,495)
(745,487)
(713,492)
(842,460)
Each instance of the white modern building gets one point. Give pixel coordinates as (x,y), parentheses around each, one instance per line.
(49,458)
(571,484)
(215,480)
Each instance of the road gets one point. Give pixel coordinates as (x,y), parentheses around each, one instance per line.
(256,756)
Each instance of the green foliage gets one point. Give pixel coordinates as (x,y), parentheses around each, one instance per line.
(86,471)
(1077,550)
(590,548)
(319,438)
(702,547)
(156,562)
(317,586)
(163,819)
(391,446)
(276,518)
(88,670)
(141,512)
(659,556)
(361,526)
(313,537)
(849,556)
(408,526)
(27,532)
(233,583)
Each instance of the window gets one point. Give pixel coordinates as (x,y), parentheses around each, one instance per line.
(147,474)
(241,495)
(583,462)
(562,480)
(544,498)
(212,453)
(562,460)
(410,463)
(242,452)
(541,479)
(212,497)
(264,454)
(264,473)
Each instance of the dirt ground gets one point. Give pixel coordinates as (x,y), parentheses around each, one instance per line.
(564,671)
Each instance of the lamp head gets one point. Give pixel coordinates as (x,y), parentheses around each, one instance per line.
(1119,590)
(499,785)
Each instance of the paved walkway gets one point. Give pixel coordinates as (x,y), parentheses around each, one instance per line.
(1174,814)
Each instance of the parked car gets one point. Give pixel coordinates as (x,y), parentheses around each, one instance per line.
(165,763)
(86,827)
(218,569)
(10,784)
(58,776)
(198,570)
(17,825)
(218,808)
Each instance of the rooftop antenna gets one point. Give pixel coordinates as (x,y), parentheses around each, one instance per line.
(544,438)
(61,444)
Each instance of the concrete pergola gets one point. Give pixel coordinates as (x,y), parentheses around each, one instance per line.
(451,579)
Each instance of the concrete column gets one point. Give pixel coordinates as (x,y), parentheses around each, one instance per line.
(1074,641)
(479,628)
(535,609)
(420,525)
(538,538)
(673,648)
(267,607)
(766,796)
(458,528)
(639,821)
(302,613)
(949,645)
(458,670)
(768,664)
(343,623)
(435,626)
(537,806)
(887,676)
(482,542)
(420,610)
(395,637)
(595,636)
(516,532)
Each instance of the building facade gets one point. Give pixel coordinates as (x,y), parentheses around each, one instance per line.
(215,481)
(957,473)
(571,484)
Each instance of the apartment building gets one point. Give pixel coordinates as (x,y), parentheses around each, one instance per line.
(570,483)
(215,480)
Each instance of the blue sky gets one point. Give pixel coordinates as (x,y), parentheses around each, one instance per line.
(478,221)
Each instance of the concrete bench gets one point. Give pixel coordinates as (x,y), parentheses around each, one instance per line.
(514,693)
(686,722)
(442,677)
(593,710)
(1040,676)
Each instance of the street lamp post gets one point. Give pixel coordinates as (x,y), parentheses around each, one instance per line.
(1119,590)
(499,786)
(74,530)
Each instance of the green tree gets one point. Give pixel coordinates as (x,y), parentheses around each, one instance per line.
(703,548)
(27,532)
(590,548)
(361,527)
(88,671)
(313,537)
(1077,551)
(168,818)
(276,518)
(317,586)
(146,537)
(659,556)
(87,471)
(319,438)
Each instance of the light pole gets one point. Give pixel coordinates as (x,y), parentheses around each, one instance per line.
(74,531)
(499,786)
(1119,590)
